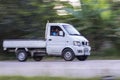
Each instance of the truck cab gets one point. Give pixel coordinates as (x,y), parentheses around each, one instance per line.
(68,42)
(61,39)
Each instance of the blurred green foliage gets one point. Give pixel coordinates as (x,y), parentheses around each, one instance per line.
(98,20)
(24,18)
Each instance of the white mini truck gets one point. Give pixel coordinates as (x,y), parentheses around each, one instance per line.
(61,39)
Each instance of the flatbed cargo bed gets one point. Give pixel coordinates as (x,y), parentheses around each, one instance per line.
(24,43)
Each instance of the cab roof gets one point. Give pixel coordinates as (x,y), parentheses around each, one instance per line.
(58,23)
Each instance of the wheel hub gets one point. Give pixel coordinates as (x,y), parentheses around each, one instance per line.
(68,55)
(21,56)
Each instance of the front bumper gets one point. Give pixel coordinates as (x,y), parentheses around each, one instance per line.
(81,50)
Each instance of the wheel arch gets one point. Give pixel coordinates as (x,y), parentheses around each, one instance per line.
(26,49)
(67,48)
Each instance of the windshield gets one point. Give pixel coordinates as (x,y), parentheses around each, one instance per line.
(71,30)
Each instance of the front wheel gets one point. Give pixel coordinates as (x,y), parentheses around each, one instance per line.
(82,58)
(37,58)
(68,55)
(21,55)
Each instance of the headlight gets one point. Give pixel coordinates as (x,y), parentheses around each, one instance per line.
(76,43)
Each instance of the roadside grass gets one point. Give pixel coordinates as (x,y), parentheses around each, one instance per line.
(43,78)
(111,54)
(7,56)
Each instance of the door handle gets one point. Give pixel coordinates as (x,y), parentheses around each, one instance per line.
(49,39)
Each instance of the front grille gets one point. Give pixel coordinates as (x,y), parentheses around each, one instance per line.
(84,43)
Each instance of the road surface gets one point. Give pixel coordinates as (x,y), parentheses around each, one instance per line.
(88,68)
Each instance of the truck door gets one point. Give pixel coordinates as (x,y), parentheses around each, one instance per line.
(55,42)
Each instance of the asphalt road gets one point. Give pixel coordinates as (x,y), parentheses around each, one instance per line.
(88,68)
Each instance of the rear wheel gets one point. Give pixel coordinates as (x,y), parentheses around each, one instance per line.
(21,55)
(68,55)
(82,58)
(37,58)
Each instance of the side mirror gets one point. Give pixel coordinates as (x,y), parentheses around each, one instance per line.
(61,33)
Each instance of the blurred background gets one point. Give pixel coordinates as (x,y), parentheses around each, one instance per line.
(97,20)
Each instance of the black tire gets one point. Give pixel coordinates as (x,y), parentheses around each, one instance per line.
(82,58)
(37,58)
(68,55)
(21,55)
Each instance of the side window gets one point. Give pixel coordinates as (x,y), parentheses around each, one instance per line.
(54,30)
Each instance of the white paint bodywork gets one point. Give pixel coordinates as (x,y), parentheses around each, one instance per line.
(59,43)
(24,44)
